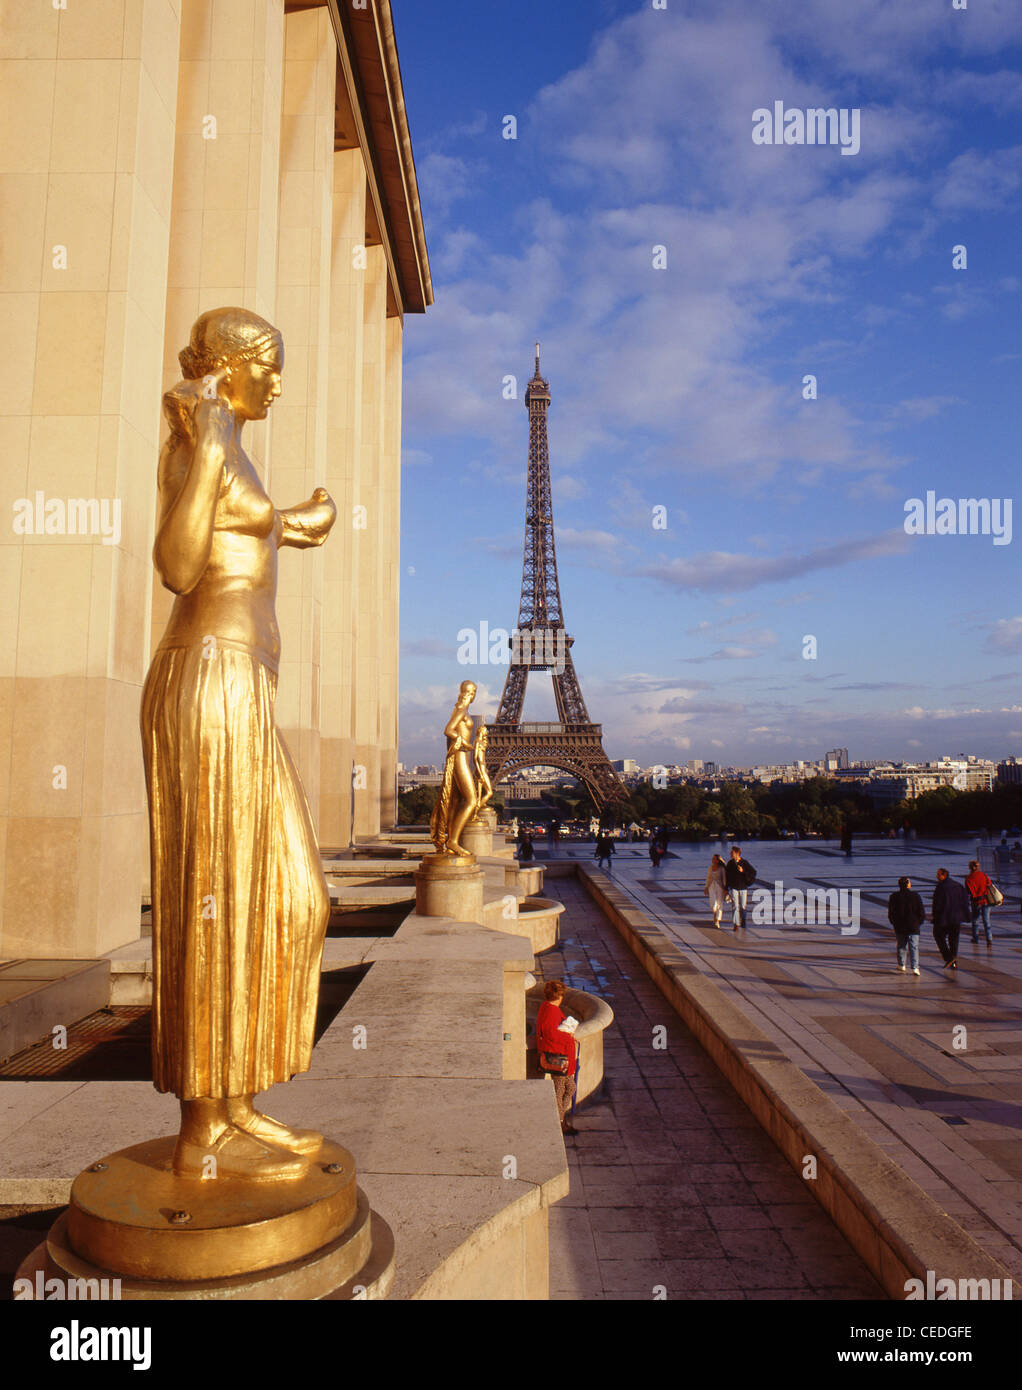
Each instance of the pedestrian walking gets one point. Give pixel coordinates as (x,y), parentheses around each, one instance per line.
(951,907)
(716,887)
(604,849)
(978,886)
(906,914)
(739,876)
(558,1051)
(657,846)
(524,846)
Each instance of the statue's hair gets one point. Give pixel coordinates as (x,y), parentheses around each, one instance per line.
(223,337)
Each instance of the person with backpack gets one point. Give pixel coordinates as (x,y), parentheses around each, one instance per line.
(739,876)
(906,914)
(978,886)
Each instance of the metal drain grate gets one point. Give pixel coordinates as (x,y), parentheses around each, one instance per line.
(114,1043)
(110,1045)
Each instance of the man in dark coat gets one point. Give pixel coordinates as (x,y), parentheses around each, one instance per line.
(604,849)
(906,914)
(739,876)
(951,907)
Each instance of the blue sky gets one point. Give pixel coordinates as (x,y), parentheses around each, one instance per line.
(682,387)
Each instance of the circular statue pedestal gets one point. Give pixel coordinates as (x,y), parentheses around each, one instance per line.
(478,834)
(164,1237)
(448,885)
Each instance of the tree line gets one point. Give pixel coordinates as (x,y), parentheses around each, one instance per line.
(820,806)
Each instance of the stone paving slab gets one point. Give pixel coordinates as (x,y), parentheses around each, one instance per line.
(673,1184)
(881,1044)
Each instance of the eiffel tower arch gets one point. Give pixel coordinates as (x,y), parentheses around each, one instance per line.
(573,743)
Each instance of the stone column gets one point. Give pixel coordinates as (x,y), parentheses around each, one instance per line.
(390,540)
(223,242)
(369,541)
(87,126)
(344,434)
(298,420)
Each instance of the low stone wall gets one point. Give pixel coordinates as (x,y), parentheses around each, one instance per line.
(898,1229)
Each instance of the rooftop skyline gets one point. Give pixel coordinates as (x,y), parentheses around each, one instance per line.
(683,388)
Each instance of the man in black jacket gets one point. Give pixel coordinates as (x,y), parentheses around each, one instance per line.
(906,914)
(951,907)
(739,875)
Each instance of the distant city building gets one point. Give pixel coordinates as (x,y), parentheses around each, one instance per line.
(891,782)
(1009,772)
(980,774)
(836,759)
(626,766)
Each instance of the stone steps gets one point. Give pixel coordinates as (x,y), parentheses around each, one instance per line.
(38,995)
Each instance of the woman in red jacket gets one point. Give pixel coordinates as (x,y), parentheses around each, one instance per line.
(549,1039)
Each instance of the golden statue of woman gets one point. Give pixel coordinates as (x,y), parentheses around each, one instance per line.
(240,904)
(484,787)
(457,800)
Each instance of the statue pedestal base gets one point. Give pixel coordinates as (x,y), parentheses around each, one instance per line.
(449,886)
(478,834)
(163,1237)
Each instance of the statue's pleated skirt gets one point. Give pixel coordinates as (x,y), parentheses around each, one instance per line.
(240,904)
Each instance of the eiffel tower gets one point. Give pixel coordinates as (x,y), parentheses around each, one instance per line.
(574,743)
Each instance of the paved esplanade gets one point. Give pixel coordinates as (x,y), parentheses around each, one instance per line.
(675,1190)
(890,1049)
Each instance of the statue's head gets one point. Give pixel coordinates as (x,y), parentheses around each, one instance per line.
(466,692)
(244,352)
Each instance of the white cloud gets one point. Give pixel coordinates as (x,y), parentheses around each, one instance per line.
(568,489)
(1005,635)
(750,232)
(978,181)
(571,539)
(443,179)
(718,570)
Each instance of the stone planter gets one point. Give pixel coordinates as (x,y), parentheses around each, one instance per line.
(539,918)
(527,877)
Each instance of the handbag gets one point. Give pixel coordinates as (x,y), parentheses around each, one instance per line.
(994,895)
(554,1061)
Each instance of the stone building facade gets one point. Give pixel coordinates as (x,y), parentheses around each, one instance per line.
(160,158)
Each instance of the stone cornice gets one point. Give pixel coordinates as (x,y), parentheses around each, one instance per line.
(369,67)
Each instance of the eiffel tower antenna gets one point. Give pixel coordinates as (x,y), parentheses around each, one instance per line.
(573,743)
